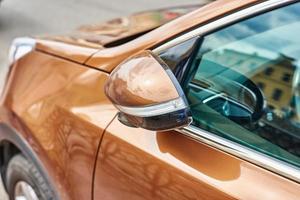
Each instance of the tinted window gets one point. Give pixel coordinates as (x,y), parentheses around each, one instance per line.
(244,83)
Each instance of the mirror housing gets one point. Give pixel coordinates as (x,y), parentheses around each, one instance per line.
(147,94)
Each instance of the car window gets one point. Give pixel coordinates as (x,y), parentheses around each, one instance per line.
(244,83)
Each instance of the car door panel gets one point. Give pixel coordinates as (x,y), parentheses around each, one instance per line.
(140,164)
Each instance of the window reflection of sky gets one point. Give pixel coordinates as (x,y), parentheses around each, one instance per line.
(279,36)
(271,43)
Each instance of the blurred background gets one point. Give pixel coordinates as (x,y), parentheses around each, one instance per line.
(39,17)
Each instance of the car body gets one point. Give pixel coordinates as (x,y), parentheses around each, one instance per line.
(58,113)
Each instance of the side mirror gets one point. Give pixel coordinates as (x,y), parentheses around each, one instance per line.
(147,94)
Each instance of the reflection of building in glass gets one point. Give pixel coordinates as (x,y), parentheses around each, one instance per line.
(276,82)
(274,77)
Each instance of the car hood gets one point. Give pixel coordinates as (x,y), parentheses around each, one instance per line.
(120,30)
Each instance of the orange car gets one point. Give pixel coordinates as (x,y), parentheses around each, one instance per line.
(206,106)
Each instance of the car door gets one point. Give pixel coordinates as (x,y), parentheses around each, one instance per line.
(240,75)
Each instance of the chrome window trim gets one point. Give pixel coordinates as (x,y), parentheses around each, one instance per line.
(224,21)
(245,153)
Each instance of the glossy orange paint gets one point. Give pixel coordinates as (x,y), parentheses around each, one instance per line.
(64,110)
(140,81)
(113,32)
(72,52)
(108,59)
(139,164)
(55,99)
(79,45)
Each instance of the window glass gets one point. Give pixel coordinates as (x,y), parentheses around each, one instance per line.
(244,83)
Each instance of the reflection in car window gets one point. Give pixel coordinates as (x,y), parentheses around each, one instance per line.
(244,83)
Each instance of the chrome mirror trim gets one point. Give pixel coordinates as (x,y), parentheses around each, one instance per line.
(147,94)
(155,110)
